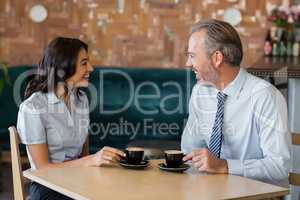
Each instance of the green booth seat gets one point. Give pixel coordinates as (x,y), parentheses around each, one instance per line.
(10,98)
(139,107)
(145,107)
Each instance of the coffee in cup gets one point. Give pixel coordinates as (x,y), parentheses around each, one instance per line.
(134,155)
(174,158)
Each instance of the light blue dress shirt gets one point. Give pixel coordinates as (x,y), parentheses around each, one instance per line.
(256,141)
(45,119)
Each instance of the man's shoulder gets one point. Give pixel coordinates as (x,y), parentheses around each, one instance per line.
(262,92)
(256,85)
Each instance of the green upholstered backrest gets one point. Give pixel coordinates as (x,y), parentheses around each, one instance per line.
(126,104)
(135,103)
(10,98)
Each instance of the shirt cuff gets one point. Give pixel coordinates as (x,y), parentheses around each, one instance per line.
(235,167)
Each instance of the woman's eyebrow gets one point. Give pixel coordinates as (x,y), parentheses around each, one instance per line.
(84,59)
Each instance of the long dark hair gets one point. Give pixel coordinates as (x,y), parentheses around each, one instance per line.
(57,65)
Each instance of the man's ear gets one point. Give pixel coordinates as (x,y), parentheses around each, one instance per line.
(217,59)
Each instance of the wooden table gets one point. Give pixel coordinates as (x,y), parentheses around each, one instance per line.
(117,183)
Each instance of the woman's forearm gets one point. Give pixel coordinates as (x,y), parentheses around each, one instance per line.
(107,155)
(85,161)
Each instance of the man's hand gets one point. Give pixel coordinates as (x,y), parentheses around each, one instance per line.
(204,161)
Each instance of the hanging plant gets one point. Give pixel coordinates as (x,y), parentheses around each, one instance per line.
(279,17)
(295,13)
(4,77)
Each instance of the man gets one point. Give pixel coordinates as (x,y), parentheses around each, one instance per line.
(237,122)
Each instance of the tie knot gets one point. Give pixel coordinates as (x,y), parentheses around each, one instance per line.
(222,96)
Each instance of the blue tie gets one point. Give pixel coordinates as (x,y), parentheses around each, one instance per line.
(216,136)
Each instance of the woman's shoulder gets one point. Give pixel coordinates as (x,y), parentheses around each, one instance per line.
(35,103)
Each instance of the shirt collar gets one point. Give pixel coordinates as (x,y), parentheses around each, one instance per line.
(234,88)
(52,98)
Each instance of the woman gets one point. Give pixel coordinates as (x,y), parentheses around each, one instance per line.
(53,120)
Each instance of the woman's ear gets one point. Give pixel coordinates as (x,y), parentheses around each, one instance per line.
(217,59)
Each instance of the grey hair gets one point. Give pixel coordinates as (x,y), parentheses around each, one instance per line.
(221,36)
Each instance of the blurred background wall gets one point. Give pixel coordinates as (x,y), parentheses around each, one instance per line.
(140,33)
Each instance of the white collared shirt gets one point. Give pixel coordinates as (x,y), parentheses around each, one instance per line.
(256,141)
(45,119)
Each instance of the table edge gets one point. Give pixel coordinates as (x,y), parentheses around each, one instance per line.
(54,187)
(26,173)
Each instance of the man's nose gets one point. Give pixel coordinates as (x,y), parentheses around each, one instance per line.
(188,63)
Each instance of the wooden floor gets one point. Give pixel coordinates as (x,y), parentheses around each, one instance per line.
(6,190)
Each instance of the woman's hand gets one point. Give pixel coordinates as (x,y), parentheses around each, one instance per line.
(107,155)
